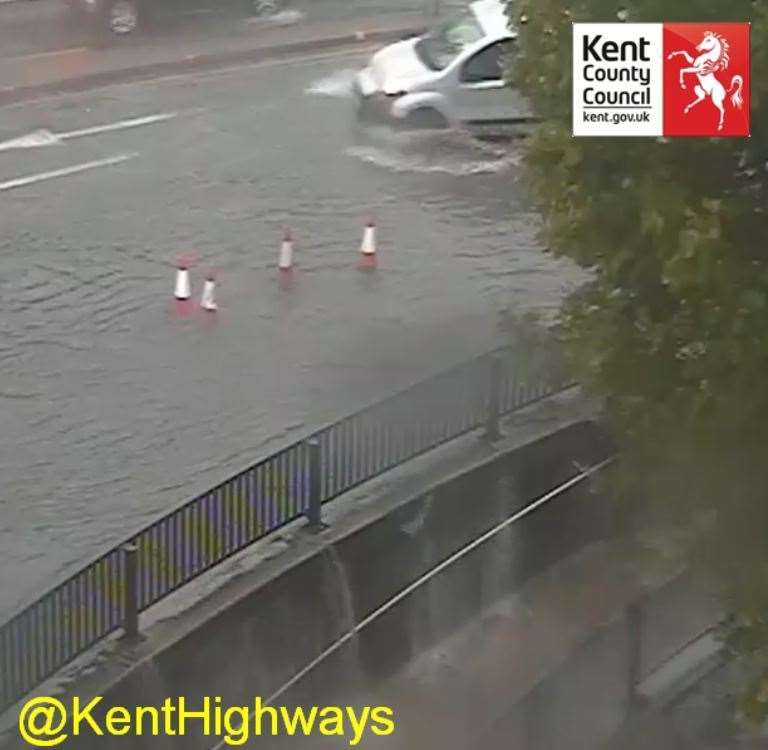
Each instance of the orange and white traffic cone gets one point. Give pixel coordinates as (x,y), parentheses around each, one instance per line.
(208,298)
(285,261)
(368,246)
(182,291)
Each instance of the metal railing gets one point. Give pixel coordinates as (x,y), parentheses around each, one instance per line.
(109,594)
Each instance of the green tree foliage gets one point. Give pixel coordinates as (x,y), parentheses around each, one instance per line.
(673,330)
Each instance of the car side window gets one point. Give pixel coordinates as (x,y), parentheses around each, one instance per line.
(488,64)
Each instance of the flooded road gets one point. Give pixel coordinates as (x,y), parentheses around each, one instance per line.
(114,407)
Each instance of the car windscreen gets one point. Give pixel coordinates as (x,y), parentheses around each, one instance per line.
(439,48)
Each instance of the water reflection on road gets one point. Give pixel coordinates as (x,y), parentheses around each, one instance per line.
(113,408)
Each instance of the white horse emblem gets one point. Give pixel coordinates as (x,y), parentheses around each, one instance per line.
(714,58)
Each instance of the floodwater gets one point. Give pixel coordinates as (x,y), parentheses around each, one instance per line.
(115,407)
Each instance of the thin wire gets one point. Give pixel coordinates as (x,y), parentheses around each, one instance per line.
(428,576)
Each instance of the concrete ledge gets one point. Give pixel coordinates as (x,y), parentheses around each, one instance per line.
(685,669)
(292,605)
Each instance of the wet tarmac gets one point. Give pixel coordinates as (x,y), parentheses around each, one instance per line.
(115,408)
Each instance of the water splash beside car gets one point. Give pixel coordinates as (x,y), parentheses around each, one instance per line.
(338,85)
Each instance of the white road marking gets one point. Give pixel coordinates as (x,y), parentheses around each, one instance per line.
(46,138)
(35,139)
(77,168)
(136,122)
(50,53)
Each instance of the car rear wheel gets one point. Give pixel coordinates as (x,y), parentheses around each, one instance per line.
(425,119)
(266,7)
(122,16)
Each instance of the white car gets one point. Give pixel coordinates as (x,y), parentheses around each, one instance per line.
(451,76)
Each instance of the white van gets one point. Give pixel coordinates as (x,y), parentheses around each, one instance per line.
(451,76)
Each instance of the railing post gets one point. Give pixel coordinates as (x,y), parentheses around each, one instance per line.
(492,431)
(131,593)
(314,509)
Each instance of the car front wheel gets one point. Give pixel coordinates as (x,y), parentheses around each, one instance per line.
(425,119)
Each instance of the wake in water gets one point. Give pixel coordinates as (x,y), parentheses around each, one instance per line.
(446,140)
(433,152)
(400,163)
(422,151)
(338,84)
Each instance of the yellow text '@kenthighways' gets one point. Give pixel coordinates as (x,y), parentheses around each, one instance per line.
(49,722)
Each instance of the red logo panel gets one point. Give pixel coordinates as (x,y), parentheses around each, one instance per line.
(706,79)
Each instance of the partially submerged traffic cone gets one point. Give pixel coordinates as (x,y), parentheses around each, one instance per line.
(208,298)
(368,246)
(182,290)
(285,261)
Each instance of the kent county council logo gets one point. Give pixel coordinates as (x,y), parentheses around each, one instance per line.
(661,79)
(706,79)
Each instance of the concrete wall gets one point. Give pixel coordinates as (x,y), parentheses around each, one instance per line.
(597,678)
(261,641)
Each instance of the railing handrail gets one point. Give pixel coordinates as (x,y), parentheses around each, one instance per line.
(330,425)
(200,533)
(264,460)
